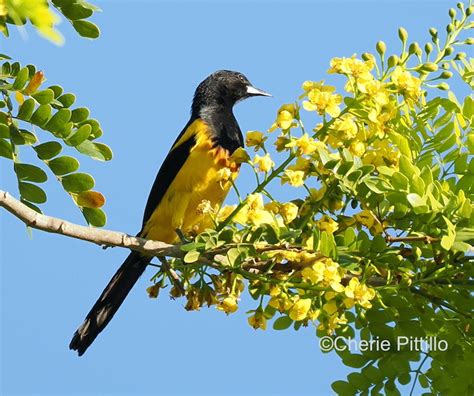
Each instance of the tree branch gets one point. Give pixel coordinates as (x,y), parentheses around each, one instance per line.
(89,234)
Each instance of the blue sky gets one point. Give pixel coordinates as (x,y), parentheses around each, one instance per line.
(138,80)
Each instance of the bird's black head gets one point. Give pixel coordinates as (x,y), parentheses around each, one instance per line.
(223,88)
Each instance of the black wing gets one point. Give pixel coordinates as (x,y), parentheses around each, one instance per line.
(173,162)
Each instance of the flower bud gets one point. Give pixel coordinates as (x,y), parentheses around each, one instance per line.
(460,6)
(445,75)
(469,10)
(381,48)
(469,41)
(428,48)
(429,67)
(393,61)
(403,34)
(443,86)
(368,56)
(450,28)
(452,13)
(414,49)
(448,51)
(460,55)
(433,32)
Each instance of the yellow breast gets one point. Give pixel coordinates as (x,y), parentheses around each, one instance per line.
(196,182)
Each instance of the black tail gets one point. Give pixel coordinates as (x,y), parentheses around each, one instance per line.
(109,302)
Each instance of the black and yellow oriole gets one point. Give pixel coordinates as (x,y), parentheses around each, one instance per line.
(188,175)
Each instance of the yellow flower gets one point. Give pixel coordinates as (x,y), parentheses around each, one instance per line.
(223,174)
(293,178)
(282,143)
(376,90)
(285,117)
(343,129)
(330,307)
(260,216)
(272,206)
(357,148)
(352,66)
(327,224)
(358,71)
(289,211)
(300,309)
(255,138)
(306,145)
(315,273)
(263,164)
(334,322)
(302,164)
(153,291)
(323,101)
(358,293)
(255,201)
(408,85)
(255,212)
(228,305)
(258,320)
(205,207)
(382,152)
(239,156)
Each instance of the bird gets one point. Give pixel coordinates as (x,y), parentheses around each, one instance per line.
(187,177)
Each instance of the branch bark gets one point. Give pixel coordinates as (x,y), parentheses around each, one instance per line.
(89,234)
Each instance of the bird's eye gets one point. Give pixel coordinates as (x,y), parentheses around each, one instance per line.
(242,78)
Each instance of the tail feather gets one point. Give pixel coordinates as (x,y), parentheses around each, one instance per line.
(109,302)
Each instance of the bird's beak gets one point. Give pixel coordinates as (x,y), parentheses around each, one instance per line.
(252,91)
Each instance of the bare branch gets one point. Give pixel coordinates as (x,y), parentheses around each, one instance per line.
(89,234)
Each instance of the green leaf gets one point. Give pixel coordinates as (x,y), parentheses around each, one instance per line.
(402,143)
(67,99)
(468,108)
(355,360)
(80,114)
(191,256)
(378,244)
(327,245)
(45,96)
(417,202)
(22,136)
(64,165)
(399,181)
(78,182)
(48,150)
(58,121)
(86,29)
(282,323)
(79,135)
(96,151)
(94,216)
(21,79)
(470,142)
(31,192)
(57,89)
(447,241)
(343,388)
(4,131)
(26,109)
(31,206)
(6,149)
(76,11)
(32,173)
(407,168)
(42,115)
